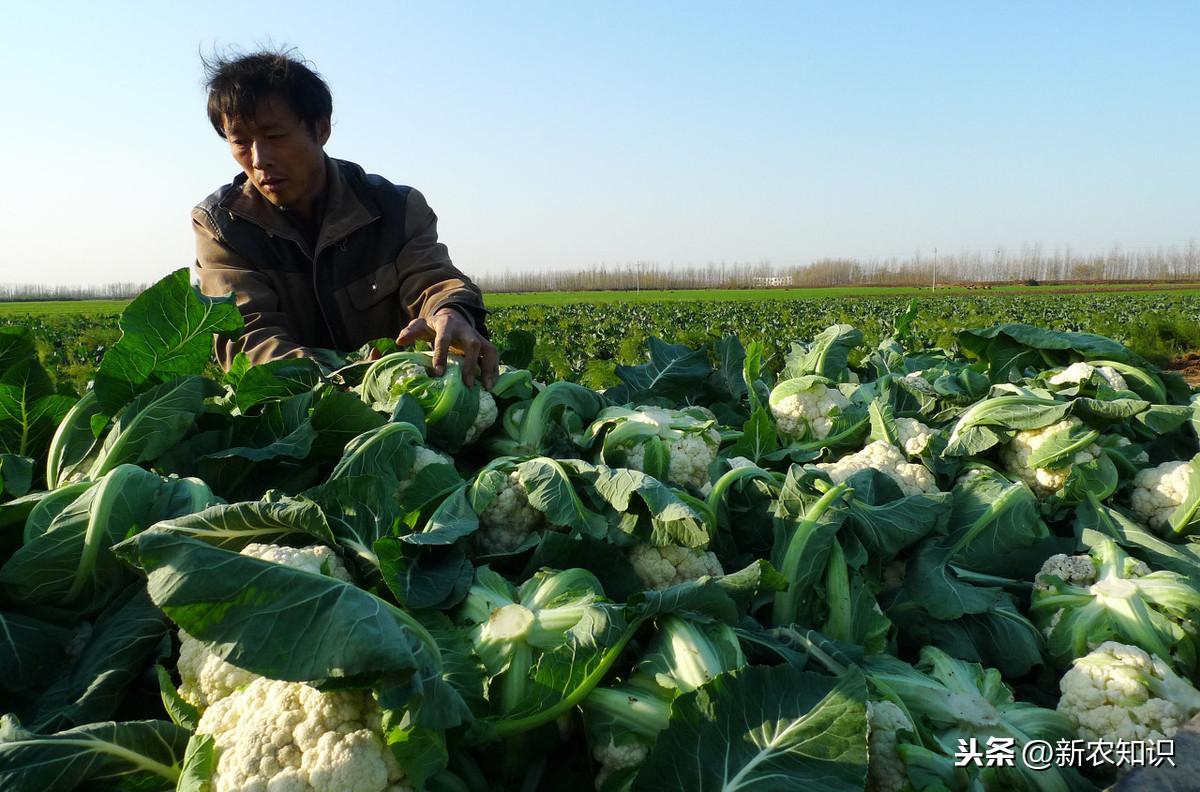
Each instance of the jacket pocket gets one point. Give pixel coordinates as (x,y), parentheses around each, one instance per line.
(369,290)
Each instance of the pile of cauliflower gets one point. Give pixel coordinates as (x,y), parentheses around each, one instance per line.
(277,736)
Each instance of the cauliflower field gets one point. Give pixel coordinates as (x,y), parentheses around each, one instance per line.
(813,564)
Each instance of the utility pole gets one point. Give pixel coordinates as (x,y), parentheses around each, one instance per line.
(935,269)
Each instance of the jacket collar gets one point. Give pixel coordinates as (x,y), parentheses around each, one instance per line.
(344,210)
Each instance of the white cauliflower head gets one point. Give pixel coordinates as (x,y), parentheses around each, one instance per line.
(1081,372)
(913,435)
(1078,570)
(316,559)
(692,444)
(885,769)
(508,520)
(1158,491)
(664,566)
(1119,692)
(614,758)
(273,735)
(1043,481)
(809,413)
(488,412)
(881,455)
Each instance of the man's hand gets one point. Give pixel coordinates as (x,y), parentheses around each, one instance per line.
(449,332)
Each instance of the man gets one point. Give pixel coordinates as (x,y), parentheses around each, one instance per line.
(319,253)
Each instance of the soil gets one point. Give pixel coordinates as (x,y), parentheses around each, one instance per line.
(1189,367)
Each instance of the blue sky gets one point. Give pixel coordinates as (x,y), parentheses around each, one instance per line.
(566,134)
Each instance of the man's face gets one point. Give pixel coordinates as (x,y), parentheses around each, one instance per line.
(279,155)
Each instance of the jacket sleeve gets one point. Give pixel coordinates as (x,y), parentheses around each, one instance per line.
(428,280)
(220,270)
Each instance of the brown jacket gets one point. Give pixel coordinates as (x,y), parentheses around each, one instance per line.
(377,265)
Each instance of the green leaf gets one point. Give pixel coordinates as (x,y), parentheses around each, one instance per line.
(518,348)
(758,437)
(16,475)
(166,333)
(276,380)
(337,418)
(886,521)
(672,520)
(1185,520)
(153,423)
(181,711)
(73,441)
(430,578)
(71,562)
(828,355)
(770,729)
(124,641)
(130,755)
(673,372)
(199,763)
(31,652)
(273,620)
(275,519)
(386,452)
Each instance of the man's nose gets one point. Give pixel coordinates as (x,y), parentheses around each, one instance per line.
(261,155)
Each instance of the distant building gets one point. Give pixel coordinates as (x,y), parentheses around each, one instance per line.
(770,281)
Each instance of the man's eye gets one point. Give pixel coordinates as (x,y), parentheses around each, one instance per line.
(237,142)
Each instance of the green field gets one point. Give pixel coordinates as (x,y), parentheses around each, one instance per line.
(584,336)
(507,299)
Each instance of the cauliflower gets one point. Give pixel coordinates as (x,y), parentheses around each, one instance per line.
(1079,373)
(1119,692)
(886,458)
(691,444)
(1077,570)
(317,559)
(614,758)
(885,769)
(809,413)
(508,520)
(669,565)
(275,735)
(913,435)
(488,412)
(1043,481)
(424,458)
(205,678)
(1158,491)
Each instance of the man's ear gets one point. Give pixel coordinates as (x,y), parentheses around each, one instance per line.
(324,128)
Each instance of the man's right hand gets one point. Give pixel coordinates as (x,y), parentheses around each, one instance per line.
(449,332)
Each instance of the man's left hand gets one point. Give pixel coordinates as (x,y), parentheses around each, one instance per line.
(449,332)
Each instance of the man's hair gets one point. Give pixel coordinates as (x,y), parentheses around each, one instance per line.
(238,84)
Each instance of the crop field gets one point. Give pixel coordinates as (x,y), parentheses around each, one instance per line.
(583,336)
(815,543)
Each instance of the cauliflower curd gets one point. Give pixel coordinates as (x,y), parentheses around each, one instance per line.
(275,736)
(1158,491)
(810,413)
(508,520)
(666,566)
(1119,692)
(1043,481)
(881,455)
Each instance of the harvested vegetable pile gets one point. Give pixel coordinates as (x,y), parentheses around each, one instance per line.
(826,571)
